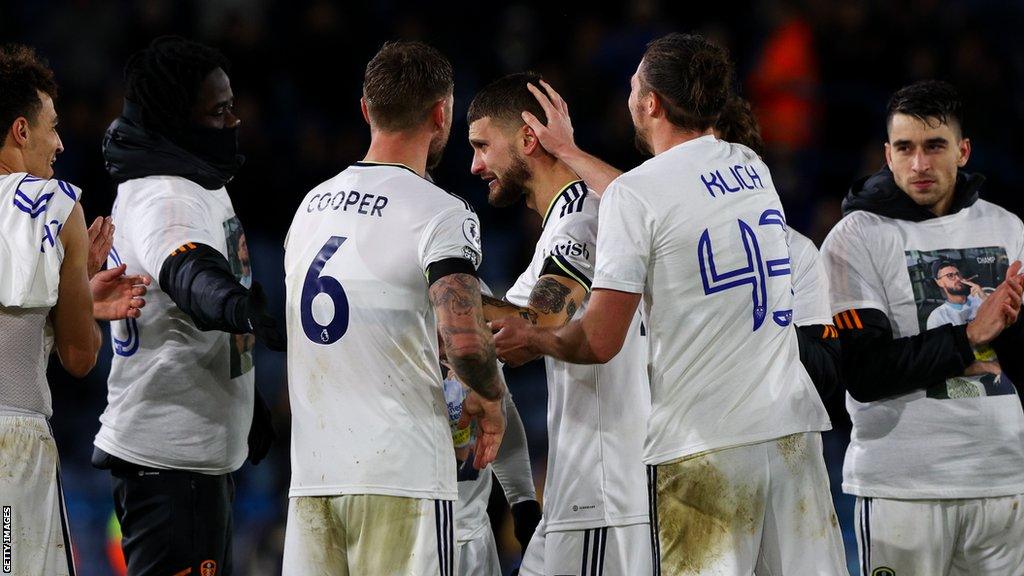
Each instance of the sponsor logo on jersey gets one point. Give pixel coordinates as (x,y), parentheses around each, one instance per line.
(471,255)
(570,248)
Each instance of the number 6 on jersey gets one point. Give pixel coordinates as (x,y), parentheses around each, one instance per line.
(316,285)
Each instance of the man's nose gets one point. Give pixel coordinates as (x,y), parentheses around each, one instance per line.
(920,163)
(477,167)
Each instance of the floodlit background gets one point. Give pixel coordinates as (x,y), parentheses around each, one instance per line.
(818,73)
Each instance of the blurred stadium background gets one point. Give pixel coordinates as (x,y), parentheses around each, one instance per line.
(818,73)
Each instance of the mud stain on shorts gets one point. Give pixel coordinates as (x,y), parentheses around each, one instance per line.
(389,529)
(701,513)
(325,535)
(794,452)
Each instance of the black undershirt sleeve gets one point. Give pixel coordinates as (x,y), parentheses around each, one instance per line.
(820,355)
(199,280)
(442,268)
(565,270)
(875,365)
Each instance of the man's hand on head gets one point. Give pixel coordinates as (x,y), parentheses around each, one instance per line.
(557,135)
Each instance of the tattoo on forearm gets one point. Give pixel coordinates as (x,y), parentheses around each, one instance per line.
(453,293)
(548,296)
(454,298)
(510,309)
(480,373)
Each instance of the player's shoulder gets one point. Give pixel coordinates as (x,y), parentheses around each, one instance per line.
(402,180)
(984,208)
(573,203)
(799,244)
(32,193)
(861,222)
(161,187)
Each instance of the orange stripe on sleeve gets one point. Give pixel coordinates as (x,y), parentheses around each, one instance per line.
(856,319)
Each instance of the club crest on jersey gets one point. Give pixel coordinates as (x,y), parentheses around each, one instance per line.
(883,571)
(208,568)
(471,230)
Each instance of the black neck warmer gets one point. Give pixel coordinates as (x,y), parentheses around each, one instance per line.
(131,151)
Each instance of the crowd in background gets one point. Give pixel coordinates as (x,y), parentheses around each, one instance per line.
(818,74)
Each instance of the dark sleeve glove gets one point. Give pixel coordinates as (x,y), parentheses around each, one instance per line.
(259,321)
(199,280)
(525,515)
(820,355)
(876,365)
(261,432)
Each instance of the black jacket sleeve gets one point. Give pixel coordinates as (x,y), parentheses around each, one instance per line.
(1009,348)
(875,365)
(200,281)
(820,355)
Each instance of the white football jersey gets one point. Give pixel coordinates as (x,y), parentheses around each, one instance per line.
(962,438)
(810,282)
(368,408)
(177,397)
(596,413)
(700,232)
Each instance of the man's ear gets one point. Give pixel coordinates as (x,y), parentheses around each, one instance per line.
(19,131)
(365,110)
(888,155)
(965,152)
(438,113)
(652,105)
(531,144)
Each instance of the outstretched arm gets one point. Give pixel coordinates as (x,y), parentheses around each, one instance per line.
(557,138)
(554,300)
(593,339)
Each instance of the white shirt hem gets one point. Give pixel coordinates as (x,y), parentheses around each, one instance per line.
(931,493)
(669,456)
(620,285)
(128,456)
(569,525)
(343,490)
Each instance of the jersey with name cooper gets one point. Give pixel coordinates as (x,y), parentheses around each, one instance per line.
(369,413)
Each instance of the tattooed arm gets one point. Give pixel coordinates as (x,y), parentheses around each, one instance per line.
(470,352)
(553,302)
(467,342)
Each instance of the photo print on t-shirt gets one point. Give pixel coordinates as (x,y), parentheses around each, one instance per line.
(949,285)
(238,258)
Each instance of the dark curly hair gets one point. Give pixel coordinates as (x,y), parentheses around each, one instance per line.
(402,81)
(506,99)
(692,76)
(23,74)
(738,124)
(928,100)
(164,79)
